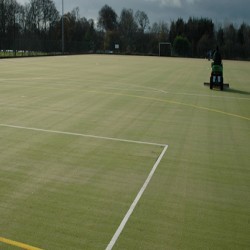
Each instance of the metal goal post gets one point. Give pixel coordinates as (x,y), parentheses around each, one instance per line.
(165,49)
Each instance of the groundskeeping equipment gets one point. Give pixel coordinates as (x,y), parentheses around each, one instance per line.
(216,78)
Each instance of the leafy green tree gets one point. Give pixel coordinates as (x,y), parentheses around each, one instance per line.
(204,45)
(230,41)
(220,37)
(181,46)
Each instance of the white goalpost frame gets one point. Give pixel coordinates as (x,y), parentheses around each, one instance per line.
(165,43)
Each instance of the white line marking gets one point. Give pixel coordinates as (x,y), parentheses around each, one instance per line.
(132,207)
(82,135)
(145,88)
(143,188)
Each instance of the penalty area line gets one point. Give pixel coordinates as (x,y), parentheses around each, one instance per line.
(82,135)
(137,198)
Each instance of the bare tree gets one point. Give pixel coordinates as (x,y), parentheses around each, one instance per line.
(107,19)
(128,28)
(41,14)
(142,20)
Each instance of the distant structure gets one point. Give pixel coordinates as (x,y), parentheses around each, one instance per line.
(165,49)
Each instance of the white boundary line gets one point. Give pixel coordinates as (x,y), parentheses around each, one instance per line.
(137,198)
(82,135)
(143,188)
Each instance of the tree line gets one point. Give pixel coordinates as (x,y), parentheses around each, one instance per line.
(37,26)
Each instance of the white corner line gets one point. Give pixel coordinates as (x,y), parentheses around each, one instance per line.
(82,135)
(137,198)
(143,188)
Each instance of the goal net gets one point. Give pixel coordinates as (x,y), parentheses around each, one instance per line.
(165,49)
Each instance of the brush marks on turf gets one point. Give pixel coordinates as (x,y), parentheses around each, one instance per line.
(28,79)
(137,198)
(134,87)
(140,88)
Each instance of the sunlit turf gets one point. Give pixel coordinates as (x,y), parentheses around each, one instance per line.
(62,191)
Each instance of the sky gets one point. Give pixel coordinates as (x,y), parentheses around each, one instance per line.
(220,11)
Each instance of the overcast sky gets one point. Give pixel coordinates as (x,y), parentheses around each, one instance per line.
(220,11)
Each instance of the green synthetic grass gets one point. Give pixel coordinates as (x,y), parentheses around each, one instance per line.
(61,191)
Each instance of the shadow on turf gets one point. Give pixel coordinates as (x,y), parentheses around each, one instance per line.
(236,91)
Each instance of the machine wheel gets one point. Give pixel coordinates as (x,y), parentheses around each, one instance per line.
(211,85)
(221,86)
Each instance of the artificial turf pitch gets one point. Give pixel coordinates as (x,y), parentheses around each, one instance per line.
(61,190)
